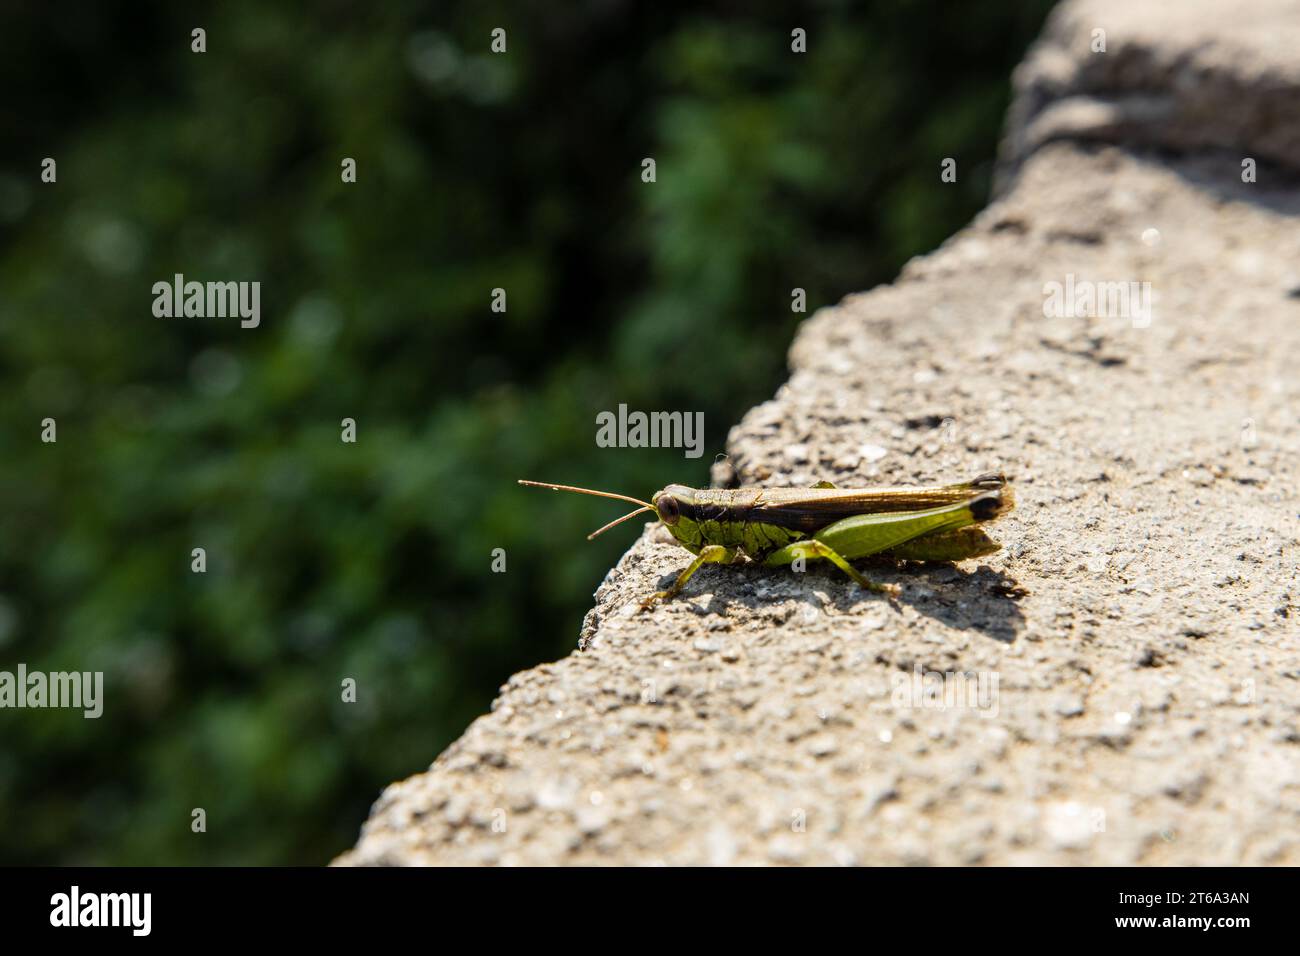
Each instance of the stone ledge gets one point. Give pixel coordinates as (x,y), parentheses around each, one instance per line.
(1140,623)
(1187,76)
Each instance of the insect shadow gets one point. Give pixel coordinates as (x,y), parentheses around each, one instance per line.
(981,600)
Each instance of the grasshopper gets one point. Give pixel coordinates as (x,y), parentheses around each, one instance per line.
(779,526)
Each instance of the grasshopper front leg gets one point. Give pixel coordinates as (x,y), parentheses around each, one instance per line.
(710,554)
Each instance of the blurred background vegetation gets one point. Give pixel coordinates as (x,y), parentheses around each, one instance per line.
(372,561)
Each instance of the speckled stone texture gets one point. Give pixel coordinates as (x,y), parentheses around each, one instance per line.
(1133,666)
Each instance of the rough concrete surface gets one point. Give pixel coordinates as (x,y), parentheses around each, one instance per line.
(1137,636)
(1185,75)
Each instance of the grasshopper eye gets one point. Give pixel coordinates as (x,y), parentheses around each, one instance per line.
(667,507)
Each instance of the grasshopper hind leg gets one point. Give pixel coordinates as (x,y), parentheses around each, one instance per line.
(812,549)
(958,545)
(864,535)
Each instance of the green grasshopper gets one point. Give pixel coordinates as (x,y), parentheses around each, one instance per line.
(779,526)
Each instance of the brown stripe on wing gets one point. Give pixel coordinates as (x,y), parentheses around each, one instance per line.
(811,509)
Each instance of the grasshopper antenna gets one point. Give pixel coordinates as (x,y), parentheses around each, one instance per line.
(630,514)
(586,491)
(645,505)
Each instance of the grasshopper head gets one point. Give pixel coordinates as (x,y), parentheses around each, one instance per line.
(675,506)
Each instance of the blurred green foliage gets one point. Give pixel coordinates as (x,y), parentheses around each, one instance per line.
(329,560)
